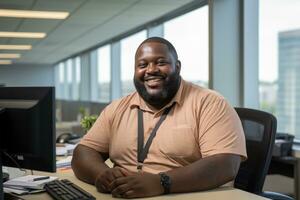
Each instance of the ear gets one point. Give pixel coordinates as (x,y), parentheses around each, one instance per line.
(178,66)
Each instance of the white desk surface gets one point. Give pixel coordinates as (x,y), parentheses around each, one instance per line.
(216,194)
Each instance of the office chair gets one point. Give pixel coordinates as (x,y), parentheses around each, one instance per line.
(260,130)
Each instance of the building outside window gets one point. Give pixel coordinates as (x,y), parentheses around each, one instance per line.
(77,77)
(69,74)
(61,70)
(61,81)
(189,34)
(128,48)
(104,76)
(279,62)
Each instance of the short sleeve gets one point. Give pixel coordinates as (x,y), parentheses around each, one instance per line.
(98,136)
(220,129)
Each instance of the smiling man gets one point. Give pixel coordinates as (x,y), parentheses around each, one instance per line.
(156,75)
(168,137)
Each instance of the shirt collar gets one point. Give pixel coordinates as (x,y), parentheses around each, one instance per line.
(138,101)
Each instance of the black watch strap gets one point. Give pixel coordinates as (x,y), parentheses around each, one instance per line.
(165,181)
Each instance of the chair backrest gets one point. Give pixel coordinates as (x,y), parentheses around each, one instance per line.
(260,130)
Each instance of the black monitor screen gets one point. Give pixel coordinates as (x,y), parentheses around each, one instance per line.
(27,127)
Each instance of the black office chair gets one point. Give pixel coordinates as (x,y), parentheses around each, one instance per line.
(260,130)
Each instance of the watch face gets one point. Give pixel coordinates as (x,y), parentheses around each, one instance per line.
(165,181)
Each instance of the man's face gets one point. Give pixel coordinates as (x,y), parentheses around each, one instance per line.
(156,76)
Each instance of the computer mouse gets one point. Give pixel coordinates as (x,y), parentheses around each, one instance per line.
(65,137)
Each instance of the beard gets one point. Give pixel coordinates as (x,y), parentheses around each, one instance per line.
(160,99)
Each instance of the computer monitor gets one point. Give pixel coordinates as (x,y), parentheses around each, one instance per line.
(27,128)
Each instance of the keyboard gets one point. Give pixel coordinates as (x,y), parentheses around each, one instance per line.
(66,190)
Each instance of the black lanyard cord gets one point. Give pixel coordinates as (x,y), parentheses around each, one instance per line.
(143,151)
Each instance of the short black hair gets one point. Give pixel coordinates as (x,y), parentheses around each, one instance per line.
(171,48)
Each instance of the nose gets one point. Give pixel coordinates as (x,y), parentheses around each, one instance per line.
(152,68)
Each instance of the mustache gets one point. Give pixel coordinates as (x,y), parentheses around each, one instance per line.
(153,76)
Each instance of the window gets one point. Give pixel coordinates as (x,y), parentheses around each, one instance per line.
(78,70)
(128,48)
(68,79)
(103,78)
(61,67)
(279,63)
(77,77)
(89,76)
(57,78)
(69,71)
(62,81)
(189,34)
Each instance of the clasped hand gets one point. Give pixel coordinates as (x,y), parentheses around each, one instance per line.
(121,183)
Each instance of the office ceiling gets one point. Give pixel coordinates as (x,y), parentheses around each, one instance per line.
(90,22)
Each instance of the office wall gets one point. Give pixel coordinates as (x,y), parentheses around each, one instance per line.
(27,75)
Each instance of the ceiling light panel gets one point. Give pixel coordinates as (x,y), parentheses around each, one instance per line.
(33,14)
(10,55)
(22,34)
(15,47)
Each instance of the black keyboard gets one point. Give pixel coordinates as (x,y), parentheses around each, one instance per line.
(66,190)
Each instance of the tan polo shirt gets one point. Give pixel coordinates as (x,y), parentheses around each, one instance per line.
(200,124)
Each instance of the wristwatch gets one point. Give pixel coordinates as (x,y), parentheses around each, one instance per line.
(165,181)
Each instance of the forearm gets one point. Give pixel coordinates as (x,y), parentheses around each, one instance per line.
(87,163)
(204,174)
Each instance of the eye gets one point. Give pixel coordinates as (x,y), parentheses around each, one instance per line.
(162,62)
(142,65)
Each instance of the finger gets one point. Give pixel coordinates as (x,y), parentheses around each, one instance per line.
(119,181)
(109,176)
(117,173)
(101,188)
(99,185)
(104,180)
(116,195)
(129,194)
(120,190)
(107,182)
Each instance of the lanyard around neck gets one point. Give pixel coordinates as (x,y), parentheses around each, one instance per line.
(142,150)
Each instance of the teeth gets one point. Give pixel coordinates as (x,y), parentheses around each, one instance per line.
(153,78)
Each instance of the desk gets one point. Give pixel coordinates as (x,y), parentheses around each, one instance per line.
(287,166)
(217,194)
